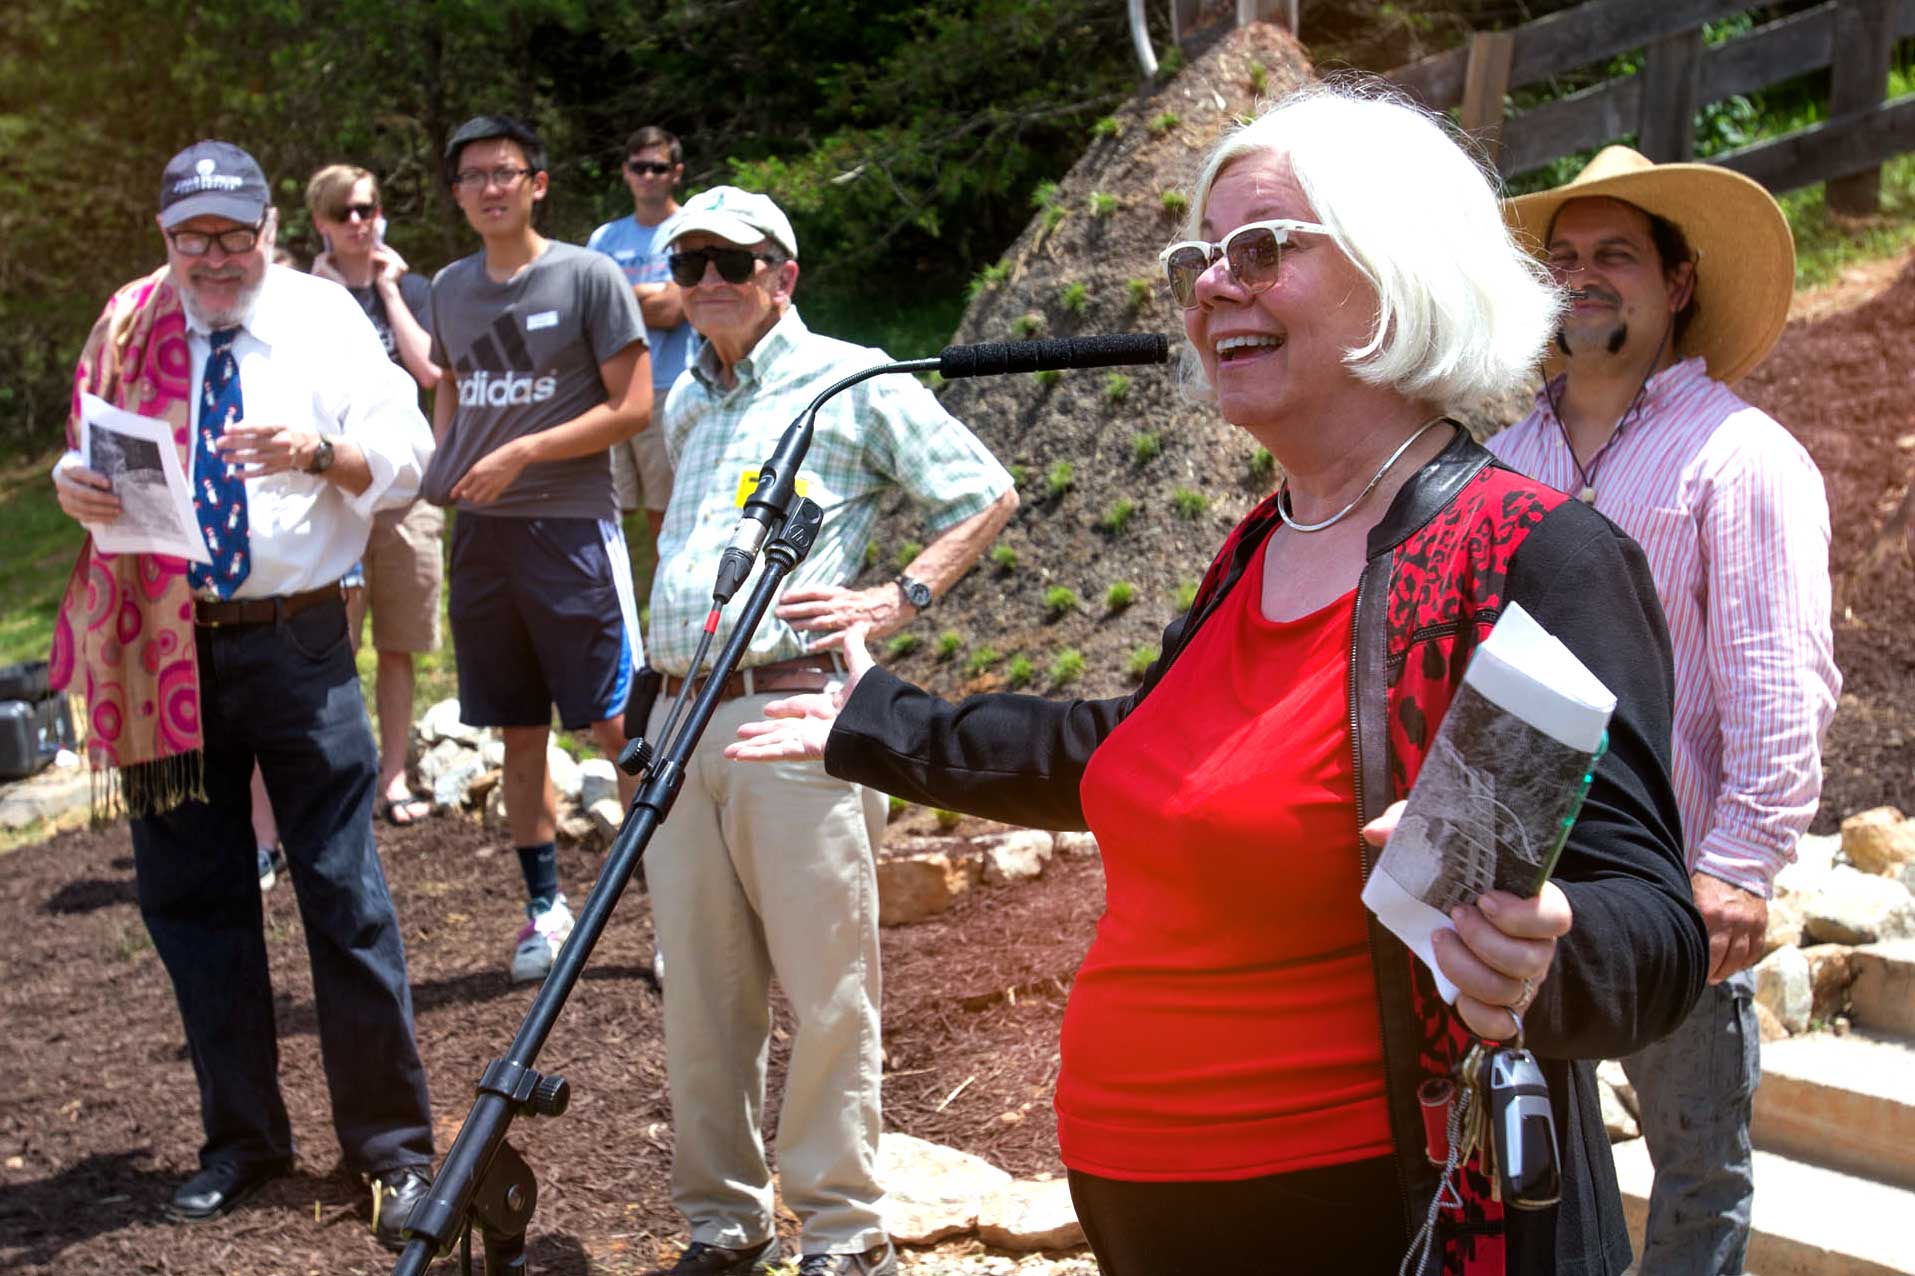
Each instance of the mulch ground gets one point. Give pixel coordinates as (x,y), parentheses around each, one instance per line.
(98,1121)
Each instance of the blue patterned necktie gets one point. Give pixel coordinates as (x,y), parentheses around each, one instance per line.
(219,491)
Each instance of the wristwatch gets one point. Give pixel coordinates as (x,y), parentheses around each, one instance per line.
(322,457)
(916,592)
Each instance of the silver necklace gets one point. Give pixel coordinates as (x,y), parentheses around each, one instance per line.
(1283,493)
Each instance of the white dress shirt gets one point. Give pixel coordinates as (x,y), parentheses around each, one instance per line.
(310,359)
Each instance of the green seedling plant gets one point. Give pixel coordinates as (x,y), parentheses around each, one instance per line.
(1116,387)
(981,660)
(946,820)
(1028,325)
(1262,464)
(1138,663)
(1108,126)
(1102,204)
(1189,504)
(1074,297)
(1118,515)
(1058,480)
(1067,668)
(907,552)
(1120,595)
(901,645)
(1175,202)
(1004,558)
(986,279)
(1048,377)
(1145,447)
(1020,671)
(1184,595)
(1018,474)
(1162,124)
(1140,292)
(1060,600)
(948,644)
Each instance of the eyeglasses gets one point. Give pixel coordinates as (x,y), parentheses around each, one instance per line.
(503,177)
(647,168)
(1252,253)
(197,243)
(364,212)
(734,265)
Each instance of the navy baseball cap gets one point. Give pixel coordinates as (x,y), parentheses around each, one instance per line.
(212,178)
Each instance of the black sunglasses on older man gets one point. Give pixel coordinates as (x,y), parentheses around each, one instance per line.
(734,265)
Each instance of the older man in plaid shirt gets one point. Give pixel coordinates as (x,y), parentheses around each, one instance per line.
(765,870)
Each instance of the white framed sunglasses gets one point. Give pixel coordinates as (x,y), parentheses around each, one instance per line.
(1252,253)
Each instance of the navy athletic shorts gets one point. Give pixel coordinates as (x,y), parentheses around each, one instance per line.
(542,616)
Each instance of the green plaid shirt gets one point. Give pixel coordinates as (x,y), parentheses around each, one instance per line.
(886,434)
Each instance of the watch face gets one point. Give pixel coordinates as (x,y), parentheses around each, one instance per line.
(917,593)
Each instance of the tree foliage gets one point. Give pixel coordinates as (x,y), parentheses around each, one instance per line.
(903,140)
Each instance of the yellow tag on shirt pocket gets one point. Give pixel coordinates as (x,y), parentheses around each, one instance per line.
(748,483)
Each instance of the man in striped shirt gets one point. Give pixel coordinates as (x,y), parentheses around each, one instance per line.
(769,870)
(1679,278)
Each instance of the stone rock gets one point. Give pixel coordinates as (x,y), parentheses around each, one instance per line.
(1769,1026)
(493,751)
(598,778)
(1610,1073)
(1882,996)
(576,827)
(1617,1120)
(1016,857)
(481,787)
(1081,845)
(606,816)
(1829,976)
(1879,841)
(1782,984)
(563,771)
(1785,922)
(495,808)
(914,887)
(1859,908)
(447,770)
(1030,1215)
(931,1191)
(441,722)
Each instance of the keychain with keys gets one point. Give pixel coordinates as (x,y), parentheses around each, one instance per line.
(1516,1128)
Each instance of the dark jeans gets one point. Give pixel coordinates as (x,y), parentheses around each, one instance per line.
(287,696)
(1341,1218)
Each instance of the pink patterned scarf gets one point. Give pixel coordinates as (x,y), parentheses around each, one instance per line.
(127,619)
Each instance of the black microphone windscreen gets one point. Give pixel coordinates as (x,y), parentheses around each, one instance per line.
(988,359)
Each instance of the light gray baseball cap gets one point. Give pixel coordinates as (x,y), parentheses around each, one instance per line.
(738,216)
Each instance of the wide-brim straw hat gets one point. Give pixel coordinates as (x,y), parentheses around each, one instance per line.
(1745,268)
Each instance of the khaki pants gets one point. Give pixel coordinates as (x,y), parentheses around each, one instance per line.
(761,870)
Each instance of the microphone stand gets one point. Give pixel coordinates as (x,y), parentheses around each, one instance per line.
(484,1181)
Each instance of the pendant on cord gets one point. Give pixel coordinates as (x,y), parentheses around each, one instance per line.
(1587,496)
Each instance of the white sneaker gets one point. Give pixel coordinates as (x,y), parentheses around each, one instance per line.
(545,931)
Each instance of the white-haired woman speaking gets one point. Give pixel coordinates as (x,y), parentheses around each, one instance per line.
(1244,1044)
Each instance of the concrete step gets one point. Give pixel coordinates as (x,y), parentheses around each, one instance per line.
(1844,1102)
(1882,998)
(1808,1220)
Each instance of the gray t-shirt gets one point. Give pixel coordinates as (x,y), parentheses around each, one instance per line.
(526,354)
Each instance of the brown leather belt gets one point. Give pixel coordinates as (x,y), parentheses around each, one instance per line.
(262,611)
(806,673)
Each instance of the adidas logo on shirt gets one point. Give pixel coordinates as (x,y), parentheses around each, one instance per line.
(497,389)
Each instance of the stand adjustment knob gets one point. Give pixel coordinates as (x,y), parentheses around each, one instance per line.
(551,1096)
(635,756)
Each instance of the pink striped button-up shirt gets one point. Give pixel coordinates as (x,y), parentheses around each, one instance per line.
(1732,514)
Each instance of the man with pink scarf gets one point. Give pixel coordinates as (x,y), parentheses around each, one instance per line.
(294,429)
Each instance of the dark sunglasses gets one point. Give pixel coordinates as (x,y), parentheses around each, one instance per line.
(364,212)
(647,167)
(1253,253)
(734,265)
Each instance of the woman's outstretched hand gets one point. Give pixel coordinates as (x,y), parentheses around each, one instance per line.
(1499,950)
(796,727)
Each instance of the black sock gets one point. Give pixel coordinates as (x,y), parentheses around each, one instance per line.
(540,864)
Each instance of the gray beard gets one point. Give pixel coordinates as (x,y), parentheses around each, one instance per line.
(1618,338)
(236,318)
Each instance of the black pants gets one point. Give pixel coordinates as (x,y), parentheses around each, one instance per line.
(1343,1219)
(287,696)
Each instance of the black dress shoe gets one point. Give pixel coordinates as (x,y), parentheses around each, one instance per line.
(222,1185)
(394,1194)
(700,1259)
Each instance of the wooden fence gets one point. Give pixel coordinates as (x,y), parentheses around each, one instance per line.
(1854,38)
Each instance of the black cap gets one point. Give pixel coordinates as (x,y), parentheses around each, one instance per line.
(215,178)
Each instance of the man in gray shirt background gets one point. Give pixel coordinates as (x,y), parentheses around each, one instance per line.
(546,369)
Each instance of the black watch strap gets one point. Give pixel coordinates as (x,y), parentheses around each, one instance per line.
(916,592)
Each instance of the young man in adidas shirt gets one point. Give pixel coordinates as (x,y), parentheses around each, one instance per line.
(546,370)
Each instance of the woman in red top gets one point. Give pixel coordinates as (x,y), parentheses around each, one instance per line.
(1243,1044)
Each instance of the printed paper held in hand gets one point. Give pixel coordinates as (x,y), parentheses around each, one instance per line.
(138,455)
(1500,787)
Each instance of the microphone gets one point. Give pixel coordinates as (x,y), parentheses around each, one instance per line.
(993,358)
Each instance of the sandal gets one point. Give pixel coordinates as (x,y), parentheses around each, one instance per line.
(404,812)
